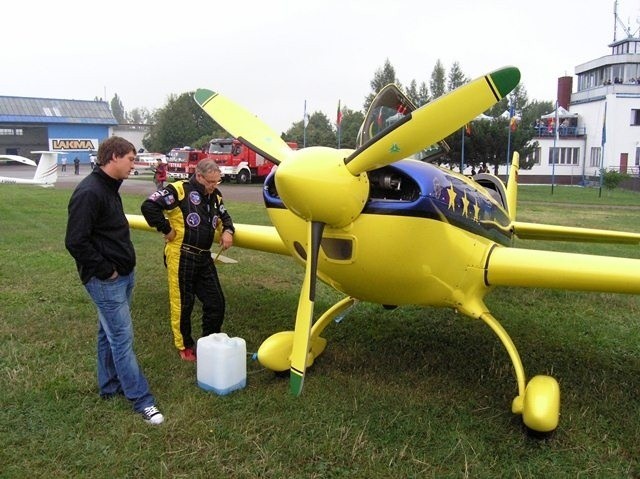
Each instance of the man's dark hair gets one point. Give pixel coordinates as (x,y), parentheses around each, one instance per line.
(113,145)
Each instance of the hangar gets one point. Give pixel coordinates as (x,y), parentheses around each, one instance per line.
(74,126)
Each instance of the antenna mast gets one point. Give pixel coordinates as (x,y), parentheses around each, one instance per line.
(626,28)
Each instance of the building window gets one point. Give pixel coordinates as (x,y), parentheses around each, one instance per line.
(596,154)
(564,156)
(635,117)
(10,132)
(637,155)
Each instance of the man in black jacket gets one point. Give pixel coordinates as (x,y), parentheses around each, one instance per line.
(98,239)
(194,210)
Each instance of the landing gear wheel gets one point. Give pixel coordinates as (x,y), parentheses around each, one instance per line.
(541,405)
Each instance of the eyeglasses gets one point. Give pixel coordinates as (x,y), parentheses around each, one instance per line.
(210,181)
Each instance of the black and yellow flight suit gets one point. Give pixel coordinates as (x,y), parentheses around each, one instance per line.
(191,270)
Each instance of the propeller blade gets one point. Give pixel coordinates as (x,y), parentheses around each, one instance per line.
(433,121)
(236,120)
(304,314)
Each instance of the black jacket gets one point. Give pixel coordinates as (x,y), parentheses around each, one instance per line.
(98,234)
(192,213)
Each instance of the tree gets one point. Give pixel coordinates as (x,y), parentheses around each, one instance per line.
(412,92)
(456,77)
(382,77)
(488,144)
(423,95)
(437,80)
(181,122)
(351,121)
(419,95)
(118,110)
(319,132)
(140,116)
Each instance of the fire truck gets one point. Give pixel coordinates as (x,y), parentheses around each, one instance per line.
(181,162)
(239,163)
(236,161)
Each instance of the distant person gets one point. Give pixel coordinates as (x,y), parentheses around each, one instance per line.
(92,161)
(194,209)
(64,164)
(99,240)
(76,166)
(160,176)
(473,171)
(484,168)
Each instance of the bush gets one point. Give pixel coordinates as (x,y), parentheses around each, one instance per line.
(612,179)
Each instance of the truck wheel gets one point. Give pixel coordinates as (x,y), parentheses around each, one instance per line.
(243,177)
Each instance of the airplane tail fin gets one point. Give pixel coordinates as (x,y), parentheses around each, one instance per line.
(47,169)
(512,186)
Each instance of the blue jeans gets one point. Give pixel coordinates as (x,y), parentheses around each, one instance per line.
(118,370)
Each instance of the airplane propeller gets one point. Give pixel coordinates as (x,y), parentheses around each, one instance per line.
(330,187)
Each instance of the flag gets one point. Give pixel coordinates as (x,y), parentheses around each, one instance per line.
(467,129)
(339,115)
(305,117)
(513,123)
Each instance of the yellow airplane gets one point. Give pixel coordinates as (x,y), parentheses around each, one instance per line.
(382,228)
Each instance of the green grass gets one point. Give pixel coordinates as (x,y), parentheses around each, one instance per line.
(578,196)
(405,393)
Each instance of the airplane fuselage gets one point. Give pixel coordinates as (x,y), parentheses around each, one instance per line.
(422,238)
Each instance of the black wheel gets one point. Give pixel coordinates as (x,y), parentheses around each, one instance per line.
(135,173)
(243,177)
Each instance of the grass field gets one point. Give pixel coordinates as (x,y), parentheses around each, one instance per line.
(411,392)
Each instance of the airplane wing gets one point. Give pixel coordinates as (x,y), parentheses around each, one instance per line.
(551,269)
(525,230)
(255,237)
(20,159)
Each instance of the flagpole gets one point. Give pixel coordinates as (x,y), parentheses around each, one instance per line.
(304,125)
(555,149)
(339,123)
(512,107)
(604,140)
(462,132)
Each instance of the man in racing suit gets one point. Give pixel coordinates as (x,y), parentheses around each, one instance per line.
(194,210)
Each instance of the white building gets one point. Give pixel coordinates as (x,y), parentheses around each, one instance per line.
(606,103)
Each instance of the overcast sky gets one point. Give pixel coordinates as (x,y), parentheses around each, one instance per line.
(272,55)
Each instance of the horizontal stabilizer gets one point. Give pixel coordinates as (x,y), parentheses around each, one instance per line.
(19,159)
(567,233)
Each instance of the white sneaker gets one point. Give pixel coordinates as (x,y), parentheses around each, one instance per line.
(152,415)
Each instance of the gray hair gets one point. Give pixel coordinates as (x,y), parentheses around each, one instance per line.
(207,166)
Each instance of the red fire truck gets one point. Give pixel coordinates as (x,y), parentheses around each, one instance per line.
(239,163)
(181,162)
